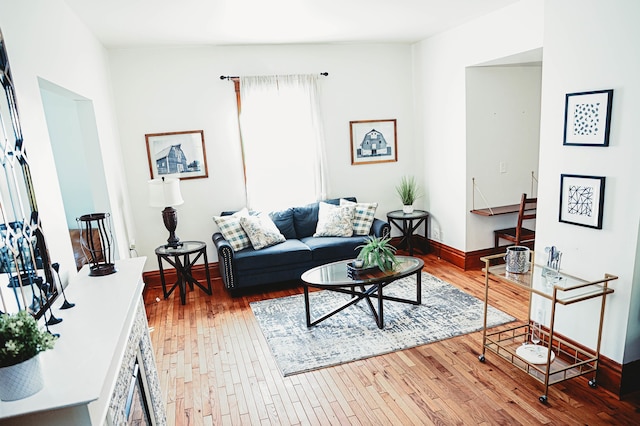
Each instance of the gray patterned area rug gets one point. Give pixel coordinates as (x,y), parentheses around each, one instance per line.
(353,334)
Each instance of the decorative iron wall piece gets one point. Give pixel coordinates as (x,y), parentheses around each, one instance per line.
(26,280)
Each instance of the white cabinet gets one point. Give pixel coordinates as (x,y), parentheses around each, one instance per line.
(88,371)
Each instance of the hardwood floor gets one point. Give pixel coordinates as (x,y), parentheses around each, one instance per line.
(216,369)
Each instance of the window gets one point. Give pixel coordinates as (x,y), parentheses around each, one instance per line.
(282,141)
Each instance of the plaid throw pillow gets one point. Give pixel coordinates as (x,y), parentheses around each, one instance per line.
(232,230)
(363,217)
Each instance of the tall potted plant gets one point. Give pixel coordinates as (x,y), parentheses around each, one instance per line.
(22,341)
(408,191)
(378,252)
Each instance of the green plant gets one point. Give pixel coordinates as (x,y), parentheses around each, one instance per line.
(21,338)
(408,190)
(378,252)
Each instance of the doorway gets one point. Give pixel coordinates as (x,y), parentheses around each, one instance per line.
(76,150)
(503,99)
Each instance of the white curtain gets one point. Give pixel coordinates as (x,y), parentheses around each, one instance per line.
(282,141)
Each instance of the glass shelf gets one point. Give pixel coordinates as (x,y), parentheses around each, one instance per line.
(569,289)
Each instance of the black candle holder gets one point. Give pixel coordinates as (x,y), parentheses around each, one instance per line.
(66,304)
(96,239)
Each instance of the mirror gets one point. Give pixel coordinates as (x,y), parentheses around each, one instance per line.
(26,280)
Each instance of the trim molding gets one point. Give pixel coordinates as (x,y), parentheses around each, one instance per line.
(472,258)
(610,374)
(152,278)
(451,255)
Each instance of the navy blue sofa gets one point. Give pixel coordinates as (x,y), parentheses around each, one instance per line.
(287,261)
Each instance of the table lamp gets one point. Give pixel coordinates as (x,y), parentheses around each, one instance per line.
(165,192)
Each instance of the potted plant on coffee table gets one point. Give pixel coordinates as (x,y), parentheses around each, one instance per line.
(408,191)
(378,252)
(22,341)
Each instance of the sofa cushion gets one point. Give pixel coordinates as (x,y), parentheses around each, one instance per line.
(261,230)
(288,252)
(331,249)
(232,230)
(363,217)
(284,221)
(334,221)
(305,219)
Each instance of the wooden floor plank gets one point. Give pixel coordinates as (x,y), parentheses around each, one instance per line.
(215,368)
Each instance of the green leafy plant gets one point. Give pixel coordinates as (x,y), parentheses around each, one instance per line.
(378,252)
(408,190)
(21,338)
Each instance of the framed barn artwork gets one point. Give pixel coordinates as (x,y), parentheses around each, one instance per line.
(587,118)
(373,141)
(179,155)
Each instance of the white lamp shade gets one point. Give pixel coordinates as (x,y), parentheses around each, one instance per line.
(165,192)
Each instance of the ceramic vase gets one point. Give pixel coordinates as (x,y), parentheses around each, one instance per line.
(407,208)
(21,380)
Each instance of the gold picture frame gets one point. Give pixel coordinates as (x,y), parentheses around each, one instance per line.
(179,155)
(373,141)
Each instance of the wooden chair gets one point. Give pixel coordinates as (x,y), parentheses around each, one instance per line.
(519,235)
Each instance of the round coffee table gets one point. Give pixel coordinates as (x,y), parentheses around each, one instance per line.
(367,285)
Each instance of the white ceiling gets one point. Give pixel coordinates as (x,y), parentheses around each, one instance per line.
(120,23)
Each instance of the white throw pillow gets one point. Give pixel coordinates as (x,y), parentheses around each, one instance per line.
(363,217)
(334,221)
(261,231)
(232,230)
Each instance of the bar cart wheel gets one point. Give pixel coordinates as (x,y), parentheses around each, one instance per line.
(593,383)
(481,358)
(543,399)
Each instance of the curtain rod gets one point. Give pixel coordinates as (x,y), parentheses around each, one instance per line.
(228,77)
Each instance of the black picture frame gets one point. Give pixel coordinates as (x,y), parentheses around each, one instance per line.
(587,118)
(582,200)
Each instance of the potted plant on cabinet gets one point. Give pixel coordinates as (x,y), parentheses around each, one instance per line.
(378,252)
(408,191)
(23,340)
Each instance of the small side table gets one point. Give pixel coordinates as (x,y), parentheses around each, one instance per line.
(407,223)
(183,267)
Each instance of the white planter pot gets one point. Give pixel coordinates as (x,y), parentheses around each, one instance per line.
(21,380)
(407,208)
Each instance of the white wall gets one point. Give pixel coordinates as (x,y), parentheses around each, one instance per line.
(503,140)
(174,89)
(597,50)
(44,39)
(440,63)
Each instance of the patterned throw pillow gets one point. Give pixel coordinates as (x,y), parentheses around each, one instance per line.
(261,231)
(334,221)
(232,230)
(363,217)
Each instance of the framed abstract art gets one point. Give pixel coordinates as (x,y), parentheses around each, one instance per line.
(587,118)
(582,200)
